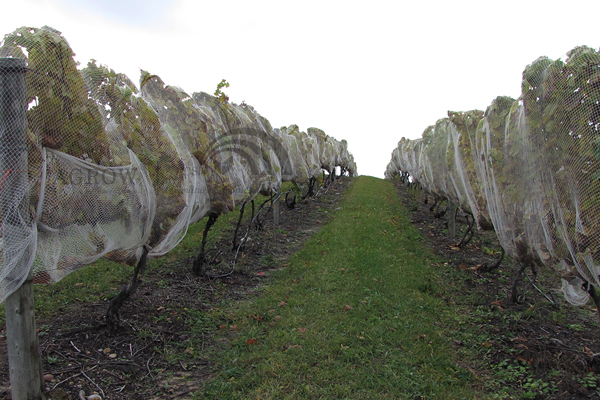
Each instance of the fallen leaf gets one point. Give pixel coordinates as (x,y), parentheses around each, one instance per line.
(234,328)
(282,303)
(251,341)
(348,308)
(277,318)
(302,330)
(260,273)
(256,317)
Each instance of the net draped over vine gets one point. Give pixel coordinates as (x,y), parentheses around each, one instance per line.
(112,167)
(528,167)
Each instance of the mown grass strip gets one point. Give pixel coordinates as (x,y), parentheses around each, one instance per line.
(353,316)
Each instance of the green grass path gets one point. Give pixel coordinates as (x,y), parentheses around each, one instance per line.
(354,316)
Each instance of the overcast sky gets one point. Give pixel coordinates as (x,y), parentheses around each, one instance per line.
(368,72)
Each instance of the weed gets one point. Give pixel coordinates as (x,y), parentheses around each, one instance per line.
(268,260)
(589,381)
(52,359)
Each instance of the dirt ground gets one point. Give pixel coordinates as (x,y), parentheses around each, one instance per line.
(83,357)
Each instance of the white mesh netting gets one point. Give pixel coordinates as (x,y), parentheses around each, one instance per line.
(529,167)
(104,167)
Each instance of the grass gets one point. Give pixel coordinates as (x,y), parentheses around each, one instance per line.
(353,316)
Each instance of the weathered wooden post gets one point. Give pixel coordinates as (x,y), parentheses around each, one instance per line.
(452,208)
(24,358)
(276,212)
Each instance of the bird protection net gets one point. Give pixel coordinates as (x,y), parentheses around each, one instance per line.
(93,166)
(528,167)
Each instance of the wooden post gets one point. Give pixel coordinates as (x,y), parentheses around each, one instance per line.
(24,358)
(276,212)
(452,219)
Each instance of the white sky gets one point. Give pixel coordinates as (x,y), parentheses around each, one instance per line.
(368,72)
